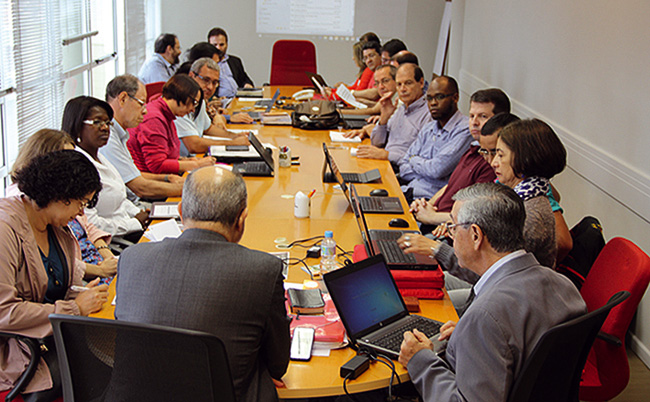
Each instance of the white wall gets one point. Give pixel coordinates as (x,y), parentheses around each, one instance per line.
(192,19)
(579,65)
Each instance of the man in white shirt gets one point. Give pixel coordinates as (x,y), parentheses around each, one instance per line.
(205,120)
(126,95)
(163,63)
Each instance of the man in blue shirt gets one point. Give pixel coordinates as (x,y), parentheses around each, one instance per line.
(398,125)
(162,65)
(429,161)
(233,75)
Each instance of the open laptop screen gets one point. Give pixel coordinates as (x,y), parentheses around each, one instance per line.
(365,295)
(334,169)
(260,150)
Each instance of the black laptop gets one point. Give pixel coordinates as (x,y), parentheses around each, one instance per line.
(355,121)
(263,168)
(372,309)
(329,177)
(384,242)
(376,205)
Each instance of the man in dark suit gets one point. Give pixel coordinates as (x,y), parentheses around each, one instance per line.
(514,303)
(232,68)
(205,281)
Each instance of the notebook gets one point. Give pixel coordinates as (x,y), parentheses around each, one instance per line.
(354,121)
(377,205)
(267,103)
(385,241)
(372,310)
(264,168)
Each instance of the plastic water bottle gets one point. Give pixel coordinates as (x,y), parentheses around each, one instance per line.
(328,253)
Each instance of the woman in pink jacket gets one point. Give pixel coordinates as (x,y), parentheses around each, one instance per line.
(38,259)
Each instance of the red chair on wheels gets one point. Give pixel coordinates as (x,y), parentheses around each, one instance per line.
(621,265)
(154,88)
(290,60)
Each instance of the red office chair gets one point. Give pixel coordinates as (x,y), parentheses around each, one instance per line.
(154,88)
(621,265)
(290,60)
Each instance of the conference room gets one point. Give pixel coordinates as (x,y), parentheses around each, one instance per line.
(602,176)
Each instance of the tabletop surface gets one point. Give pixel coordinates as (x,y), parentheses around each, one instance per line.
(271,207)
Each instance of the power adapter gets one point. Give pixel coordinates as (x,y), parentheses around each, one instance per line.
(355,367)
(313,252)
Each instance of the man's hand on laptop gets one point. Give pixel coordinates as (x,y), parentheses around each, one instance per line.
(413,342)
(446,330)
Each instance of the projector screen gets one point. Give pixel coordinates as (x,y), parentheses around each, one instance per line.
(305,17)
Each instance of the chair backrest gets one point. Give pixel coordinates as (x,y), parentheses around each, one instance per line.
(554,368)
(290,60)
(118,360)
(621,265)
(154,88)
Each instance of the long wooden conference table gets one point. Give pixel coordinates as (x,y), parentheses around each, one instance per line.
(271,208)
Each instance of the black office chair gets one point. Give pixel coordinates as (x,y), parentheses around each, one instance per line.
(108,360)
(34,347)
(554,368)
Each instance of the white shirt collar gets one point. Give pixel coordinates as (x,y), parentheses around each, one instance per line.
(494,268)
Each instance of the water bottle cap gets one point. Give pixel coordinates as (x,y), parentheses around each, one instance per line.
(329,234)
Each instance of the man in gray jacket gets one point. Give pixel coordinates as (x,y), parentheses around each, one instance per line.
(207,282)
(515,302)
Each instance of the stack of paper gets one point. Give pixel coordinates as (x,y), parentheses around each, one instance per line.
(337,136)
(162,230)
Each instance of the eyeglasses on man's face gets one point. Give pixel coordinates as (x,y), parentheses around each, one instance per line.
(208,81)
(140,102)
(453,227)
(485,152)
(439,97)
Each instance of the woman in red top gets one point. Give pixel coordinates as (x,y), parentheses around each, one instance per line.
(154,144)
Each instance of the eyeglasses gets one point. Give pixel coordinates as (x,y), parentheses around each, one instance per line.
(141,103)
(439,97)
(99,123)
(452,227)
(384,81)
(485,152)
(208,81)
(83,204)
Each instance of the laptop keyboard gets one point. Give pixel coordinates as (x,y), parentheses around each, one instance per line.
(370,203)
(386,234)
(352,177)
(255,167)
(394,338)
(390,249)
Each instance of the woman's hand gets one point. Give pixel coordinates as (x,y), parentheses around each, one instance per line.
(92,300)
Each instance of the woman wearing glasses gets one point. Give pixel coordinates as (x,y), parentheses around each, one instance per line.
(37,258)
(528,155)
(88,121)
(93,242)
(154,144)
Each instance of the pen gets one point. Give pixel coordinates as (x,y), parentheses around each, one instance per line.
(311,193)
(79,288)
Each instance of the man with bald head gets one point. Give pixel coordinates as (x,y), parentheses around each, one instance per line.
(399,125)
(205,281)
(429,161)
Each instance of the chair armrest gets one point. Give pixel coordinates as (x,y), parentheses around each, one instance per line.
(34,346)
(611,339)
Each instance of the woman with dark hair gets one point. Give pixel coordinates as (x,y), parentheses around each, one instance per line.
(528,155)
(37,259)
(99,259)
(154,144)
(198,51)
(88,121)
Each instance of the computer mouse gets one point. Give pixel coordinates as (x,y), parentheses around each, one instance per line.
(379,192)
(398,223)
